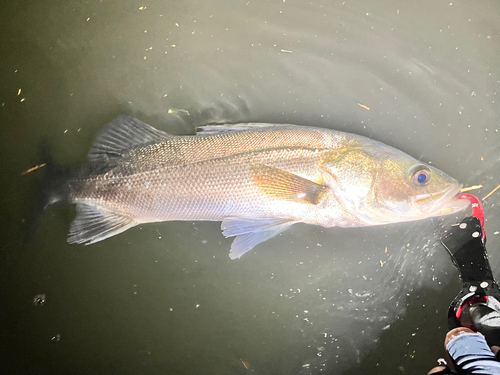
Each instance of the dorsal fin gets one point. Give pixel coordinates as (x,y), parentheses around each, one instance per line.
(120,136)
(219,129)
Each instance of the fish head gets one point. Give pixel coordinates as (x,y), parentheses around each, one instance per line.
(411,190)
(380,184)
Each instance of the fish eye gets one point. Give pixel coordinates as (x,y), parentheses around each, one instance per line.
(420,175)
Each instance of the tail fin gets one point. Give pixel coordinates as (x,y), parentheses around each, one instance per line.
(52,185)
(54,178)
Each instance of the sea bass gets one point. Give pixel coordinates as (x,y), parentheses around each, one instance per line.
(258,179)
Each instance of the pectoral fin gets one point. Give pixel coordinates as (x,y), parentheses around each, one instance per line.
(250,232)
(284,185)
(93,224)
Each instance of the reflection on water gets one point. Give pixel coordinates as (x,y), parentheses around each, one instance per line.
(165,298)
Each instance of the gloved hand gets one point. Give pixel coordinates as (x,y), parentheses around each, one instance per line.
(487,321)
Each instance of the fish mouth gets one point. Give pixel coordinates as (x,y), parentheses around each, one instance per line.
(442,203)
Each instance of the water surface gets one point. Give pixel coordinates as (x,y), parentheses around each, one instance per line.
(165,298)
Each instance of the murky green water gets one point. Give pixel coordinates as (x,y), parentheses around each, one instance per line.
(165,298)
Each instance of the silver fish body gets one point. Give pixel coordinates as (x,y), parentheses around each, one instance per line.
(258,179)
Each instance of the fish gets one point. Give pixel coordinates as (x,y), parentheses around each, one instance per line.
(258,179)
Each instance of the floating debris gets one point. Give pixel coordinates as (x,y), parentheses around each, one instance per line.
(474,187)
(175,111)
(489,194)
(33,168)
(286,51)
(56,338)
(39,300)
(245,364)
(364,106)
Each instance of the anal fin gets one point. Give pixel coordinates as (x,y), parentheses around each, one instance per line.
(93,224)
(251,232)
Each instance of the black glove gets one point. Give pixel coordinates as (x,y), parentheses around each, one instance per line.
(487,321)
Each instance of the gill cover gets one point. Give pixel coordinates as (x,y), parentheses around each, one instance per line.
(350,173)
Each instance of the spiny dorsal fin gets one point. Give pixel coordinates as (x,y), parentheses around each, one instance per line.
(92,224)
(120,136)
(219,129)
